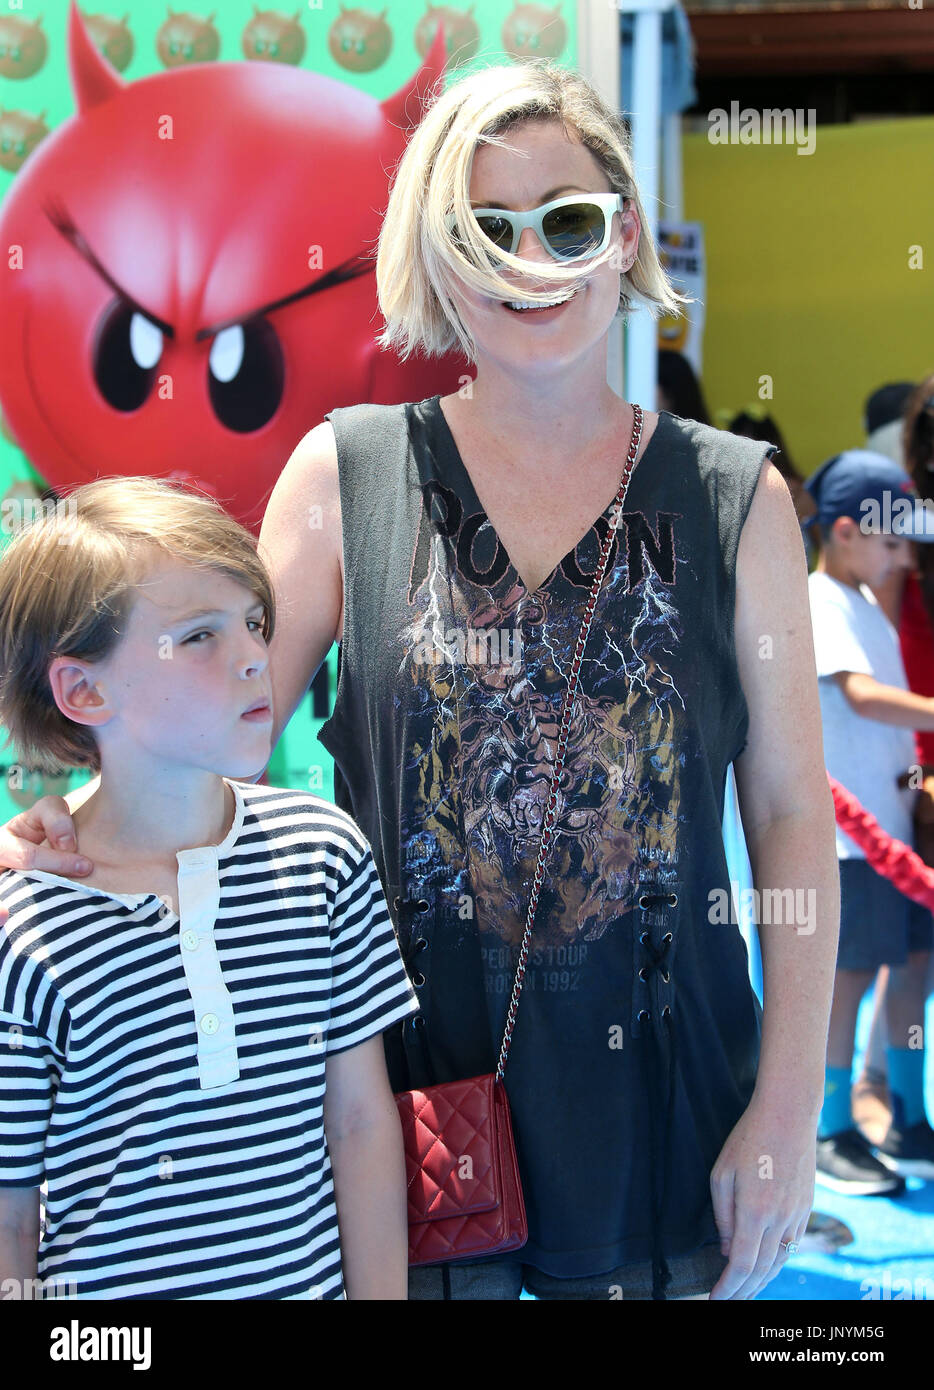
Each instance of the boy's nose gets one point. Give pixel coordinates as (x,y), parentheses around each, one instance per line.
(254,662)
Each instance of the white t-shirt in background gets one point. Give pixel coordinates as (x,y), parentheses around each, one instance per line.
(851,633)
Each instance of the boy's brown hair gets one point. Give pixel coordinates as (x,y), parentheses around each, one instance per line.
(67,586)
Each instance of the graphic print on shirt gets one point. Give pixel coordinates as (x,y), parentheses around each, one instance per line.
(489,663)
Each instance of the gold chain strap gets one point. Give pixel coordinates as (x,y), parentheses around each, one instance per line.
(548,822)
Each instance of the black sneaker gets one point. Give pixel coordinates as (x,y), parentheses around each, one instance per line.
(845,1164)
(907,1149)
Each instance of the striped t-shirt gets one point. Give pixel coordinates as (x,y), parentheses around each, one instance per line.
(162,1077)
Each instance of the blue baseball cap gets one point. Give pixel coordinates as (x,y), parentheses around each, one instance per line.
(869,487)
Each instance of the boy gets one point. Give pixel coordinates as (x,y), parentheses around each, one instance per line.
(191,1057)
(868,514)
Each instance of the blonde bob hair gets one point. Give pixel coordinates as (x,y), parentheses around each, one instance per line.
(68,580)
(419,261)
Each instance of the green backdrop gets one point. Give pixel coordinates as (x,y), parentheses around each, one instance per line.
(371,47)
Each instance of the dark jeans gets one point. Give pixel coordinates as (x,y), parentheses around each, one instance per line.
(691,1274)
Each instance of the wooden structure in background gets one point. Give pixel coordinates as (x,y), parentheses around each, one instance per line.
(768,38)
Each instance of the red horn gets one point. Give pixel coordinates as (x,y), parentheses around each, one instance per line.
(404,108)
(93,80)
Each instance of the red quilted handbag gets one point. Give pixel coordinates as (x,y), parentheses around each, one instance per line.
(464,1192)
(465,1197)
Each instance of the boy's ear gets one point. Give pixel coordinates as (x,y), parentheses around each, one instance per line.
(842,528)
(76,693)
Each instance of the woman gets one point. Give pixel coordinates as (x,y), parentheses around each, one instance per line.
(660,1155)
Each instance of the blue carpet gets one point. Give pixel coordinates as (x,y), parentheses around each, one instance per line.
(893,1239)
(892,1255)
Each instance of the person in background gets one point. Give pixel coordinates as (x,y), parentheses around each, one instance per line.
(868,714)
(884,420)
(907,598)
(679,390)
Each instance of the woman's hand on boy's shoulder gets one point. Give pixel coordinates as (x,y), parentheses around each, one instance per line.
(42,838)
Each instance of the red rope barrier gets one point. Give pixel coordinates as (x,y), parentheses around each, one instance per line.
(892,858)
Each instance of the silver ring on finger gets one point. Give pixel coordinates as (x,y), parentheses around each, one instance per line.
(790,1247)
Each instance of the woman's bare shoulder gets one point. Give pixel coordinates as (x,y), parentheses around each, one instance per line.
(315,454)
(301,541)
(308,486)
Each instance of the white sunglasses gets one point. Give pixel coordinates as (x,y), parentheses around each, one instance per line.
(573,228)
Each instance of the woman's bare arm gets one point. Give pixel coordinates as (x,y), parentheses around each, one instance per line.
(301,544)
(762,1184)
(784,796)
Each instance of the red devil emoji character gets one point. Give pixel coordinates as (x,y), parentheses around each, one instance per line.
(187,272)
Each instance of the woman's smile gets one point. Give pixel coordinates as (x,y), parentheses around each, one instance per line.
(534,312)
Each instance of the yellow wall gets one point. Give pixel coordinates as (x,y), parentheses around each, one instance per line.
(808,277)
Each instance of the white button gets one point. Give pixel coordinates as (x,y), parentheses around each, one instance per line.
(190,940)
(210,1023)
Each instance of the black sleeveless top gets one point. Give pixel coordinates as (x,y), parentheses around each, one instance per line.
(637,1035)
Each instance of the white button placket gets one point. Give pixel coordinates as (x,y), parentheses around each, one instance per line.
(198,905)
